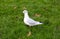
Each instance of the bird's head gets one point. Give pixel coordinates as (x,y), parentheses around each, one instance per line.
(25,11)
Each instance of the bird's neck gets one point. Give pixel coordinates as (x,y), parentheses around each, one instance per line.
(26,15)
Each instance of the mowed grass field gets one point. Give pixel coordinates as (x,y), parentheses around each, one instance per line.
(46,11)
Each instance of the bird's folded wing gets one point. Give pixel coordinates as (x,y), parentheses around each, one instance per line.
(31,21)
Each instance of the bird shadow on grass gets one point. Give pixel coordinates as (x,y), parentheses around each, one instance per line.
(33,29)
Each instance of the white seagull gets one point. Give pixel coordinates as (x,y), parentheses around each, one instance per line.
(28,20)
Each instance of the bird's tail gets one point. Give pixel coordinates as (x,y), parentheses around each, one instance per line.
(40,23)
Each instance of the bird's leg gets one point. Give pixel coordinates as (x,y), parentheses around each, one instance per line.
(29,33)
(30,28)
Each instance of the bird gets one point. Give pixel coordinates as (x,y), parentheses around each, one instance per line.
(29,21)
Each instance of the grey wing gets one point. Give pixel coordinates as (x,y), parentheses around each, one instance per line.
(31,21)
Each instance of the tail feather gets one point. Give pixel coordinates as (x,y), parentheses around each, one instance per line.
(40,23)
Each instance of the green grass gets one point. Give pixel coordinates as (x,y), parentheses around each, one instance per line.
(13,27)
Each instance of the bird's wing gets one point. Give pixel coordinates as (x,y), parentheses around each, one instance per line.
(31,21)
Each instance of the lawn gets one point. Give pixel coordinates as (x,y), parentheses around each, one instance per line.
(13,27)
